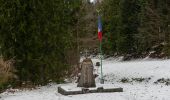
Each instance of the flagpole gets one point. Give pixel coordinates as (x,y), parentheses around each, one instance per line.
(102,79)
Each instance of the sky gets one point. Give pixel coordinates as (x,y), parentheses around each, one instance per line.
(91,0)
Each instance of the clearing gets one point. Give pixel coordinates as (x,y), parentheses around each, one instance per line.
(145,79)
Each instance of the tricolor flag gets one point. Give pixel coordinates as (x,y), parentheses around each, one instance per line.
(99,28)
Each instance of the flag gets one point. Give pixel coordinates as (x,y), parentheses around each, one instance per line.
(99,28)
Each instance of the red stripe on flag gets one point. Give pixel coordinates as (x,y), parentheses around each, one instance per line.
(100,36)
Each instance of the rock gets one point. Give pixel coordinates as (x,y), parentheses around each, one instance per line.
(97,63)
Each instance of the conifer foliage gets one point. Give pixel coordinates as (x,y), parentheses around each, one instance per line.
(136,27)
(38,35)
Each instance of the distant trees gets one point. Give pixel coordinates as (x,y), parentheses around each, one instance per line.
(130,10)
(154,24)
(136,26)
(39,35)
(111,26)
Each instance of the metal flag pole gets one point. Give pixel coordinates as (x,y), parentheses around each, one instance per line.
(102,79)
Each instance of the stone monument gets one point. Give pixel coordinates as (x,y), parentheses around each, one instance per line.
(86,78)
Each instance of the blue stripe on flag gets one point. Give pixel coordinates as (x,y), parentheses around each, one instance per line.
(99,24)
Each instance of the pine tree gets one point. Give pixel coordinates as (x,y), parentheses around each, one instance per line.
(38,35)
(154,25)
(111,26)
(130,10)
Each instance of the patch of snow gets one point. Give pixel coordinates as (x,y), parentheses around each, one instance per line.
(136,69)
(114,70)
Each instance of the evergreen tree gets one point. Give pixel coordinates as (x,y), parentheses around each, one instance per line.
(111,26)
(38,35)
(130,10)
(121,24)
(136,27)
(154,25)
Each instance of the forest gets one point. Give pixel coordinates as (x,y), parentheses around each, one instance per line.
(41,40)
(137,27)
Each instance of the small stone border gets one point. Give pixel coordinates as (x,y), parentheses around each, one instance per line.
(86,90)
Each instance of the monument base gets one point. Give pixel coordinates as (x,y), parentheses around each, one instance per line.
(101,81)
(77,90)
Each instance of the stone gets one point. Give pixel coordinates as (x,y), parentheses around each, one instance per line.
(86,90)
(97,63)
(86,79)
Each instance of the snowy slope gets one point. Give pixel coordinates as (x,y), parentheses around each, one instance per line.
(155,69)
(114,71)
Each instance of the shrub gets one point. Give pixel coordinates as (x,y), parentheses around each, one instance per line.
(6,72)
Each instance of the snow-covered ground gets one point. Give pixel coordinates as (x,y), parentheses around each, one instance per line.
(140,80)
